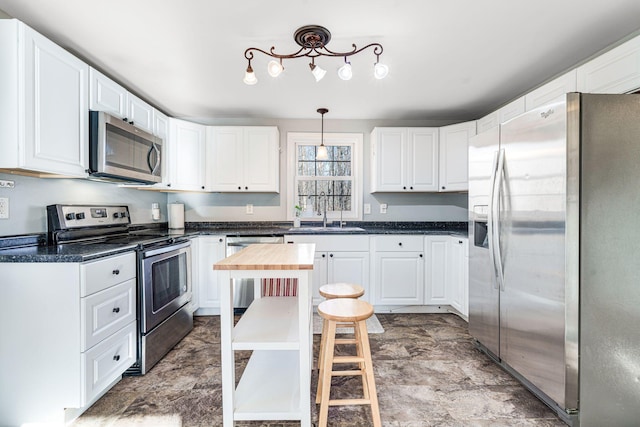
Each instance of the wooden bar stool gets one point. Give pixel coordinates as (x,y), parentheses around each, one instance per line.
(331,291)
(341,310)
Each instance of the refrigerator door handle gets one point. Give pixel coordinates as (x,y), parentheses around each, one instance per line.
(495,208)
(490,221)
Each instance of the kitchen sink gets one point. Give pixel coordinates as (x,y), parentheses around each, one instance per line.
(326,229)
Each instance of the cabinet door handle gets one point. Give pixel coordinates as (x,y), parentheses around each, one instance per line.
(116,272)
(116,309)
(116,357)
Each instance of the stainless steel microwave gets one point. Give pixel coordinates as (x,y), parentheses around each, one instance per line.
(119,151)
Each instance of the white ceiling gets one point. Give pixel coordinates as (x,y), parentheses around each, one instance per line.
(448,59)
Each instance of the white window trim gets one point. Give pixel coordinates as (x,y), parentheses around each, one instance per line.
(309,138)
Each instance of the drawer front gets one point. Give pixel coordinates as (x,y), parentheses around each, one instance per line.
(105,362)
(324,243)
(105,312)
(104,273)
(398,242)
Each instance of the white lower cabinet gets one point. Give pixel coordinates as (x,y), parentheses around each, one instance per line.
(398,270)
(211,249)
(437,291)
(68,334)
(459,274)
(338,259)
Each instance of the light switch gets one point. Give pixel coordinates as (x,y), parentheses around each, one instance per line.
(4,208)
(367,208)
(383,208)
(249,209)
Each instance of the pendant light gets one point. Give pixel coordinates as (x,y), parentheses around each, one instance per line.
(322,153)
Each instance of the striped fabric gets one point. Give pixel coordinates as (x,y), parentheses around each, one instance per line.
(279,287)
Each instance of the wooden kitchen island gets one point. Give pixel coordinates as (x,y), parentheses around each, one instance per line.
(276,382)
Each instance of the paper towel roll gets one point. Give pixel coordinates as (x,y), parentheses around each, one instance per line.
(176,215)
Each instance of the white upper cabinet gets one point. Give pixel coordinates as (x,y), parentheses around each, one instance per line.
(187,155)
(511,110)
(454,142)
(107,95)
(404,159)
(550,91)
(44,104)
(244,159)
(616,71)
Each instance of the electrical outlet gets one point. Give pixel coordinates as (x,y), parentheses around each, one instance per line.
(4,208)
(383,208)
(367,208)
(249,209)
(7,184)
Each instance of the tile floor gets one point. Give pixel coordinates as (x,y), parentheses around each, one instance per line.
(427,371)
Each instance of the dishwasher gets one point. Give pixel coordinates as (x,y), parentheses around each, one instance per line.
(243,289)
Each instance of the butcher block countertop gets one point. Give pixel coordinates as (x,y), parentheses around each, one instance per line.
(297,256)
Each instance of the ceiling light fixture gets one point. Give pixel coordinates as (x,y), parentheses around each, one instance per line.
(313,40)
(322,153)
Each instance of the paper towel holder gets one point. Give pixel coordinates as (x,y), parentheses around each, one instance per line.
(176,216)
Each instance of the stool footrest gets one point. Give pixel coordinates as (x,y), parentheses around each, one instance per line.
(342,402)
(348,359)
(346,373)
(345,341)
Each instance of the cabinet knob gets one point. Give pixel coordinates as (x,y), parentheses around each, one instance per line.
(421,255)
(131,122)
(331,255)
(323,255)
(239,188)
(220,240)
(411,188)
(116,272)
(443,187)
(246,188)
(169,185)
(400,244)
(116,357)
(460,241)
(124,119)
(404,188)
(116,309)
(202,187)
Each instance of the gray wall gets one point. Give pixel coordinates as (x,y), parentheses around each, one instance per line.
(30,196)
(272,207)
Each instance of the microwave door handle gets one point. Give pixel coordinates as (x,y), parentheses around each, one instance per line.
(152,167)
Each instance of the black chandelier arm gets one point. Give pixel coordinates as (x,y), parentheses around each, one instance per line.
(313,52)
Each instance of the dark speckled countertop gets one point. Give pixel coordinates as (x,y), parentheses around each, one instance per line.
(33,247)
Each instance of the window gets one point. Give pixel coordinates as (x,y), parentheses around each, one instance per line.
(334,184)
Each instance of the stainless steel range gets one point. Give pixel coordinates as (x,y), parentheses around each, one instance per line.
(163,272)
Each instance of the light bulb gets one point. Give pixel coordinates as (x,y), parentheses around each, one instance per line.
(322,153)
(345,72)
(380,71)
(274,68)
(317,72)
(250,77)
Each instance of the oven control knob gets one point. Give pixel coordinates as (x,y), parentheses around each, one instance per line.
(80,215)
(70,216)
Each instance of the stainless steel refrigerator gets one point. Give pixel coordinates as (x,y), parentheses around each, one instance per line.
(554,254)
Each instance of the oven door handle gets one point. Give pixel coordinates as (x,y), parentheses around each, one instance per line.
(165,248)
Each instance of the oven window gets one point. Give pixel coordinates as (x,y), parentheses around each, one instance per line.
(169,280)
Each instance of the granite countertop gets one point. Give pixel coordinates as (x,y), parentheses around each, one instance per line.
(34,248)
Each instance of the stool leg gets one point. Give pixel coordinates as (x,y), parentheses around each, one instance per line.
(361,365)
(323,344)
(368,363)
(327,366)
